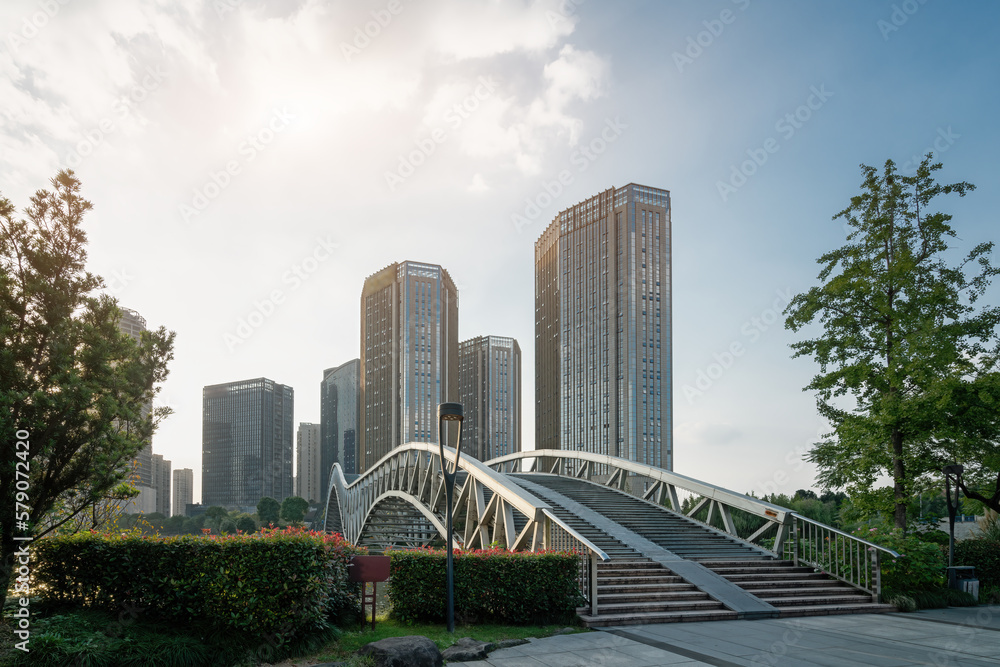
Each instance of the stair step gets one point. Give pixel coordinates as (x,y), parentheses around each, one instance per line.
(604,620)
(829,610)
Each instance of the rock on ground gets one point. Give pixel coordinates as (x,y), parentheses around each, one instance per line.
(468,649)
(412,651)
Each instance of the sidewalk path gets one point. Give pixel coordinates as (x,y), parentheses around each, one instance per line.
(956,637)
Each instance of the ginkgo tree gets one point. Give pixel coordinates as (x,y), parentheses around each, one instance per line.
(907,353)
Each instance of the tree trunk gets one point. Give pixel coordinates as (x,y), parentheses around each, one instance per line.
(899,479)
(7,559)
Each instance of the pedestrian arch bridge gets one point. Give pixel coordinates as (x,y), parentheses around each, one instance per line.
(654,546)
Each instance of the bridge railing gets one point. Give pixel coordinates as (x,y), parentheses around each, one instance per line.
(841,555)
(795,537)
(488,508)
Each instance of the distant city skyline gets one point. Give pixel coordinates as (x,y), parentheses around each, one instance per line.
(247,175)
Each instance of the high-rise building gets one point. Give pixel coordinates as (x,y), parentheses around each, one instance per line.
(602,327)
(161,482)
(246,443)
(409,356)
(133,324)
(183,494)
(307,477)
(339,418)
(489,387)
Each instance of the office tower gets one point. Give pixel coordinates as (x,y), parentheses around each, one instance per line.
(307,483)
(133,324)
(183,494)
(489,387)
(246,443)
(339,416)
(409,356)
(161,482)
(602,327)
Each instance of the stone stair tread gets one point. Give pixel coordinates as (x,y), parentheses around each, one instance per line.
(602,620)
(823,610)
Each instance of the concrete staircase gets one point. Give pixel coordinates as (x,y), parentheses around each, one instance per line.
(632,589)
(685,537)
(795,591)
(632,592)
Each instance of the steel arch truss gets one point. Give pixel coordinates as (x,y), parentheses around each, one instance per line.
(401,502)
(660,487)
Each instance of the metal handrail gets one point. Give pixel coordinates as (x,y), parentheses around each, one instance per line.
(577,536)
(840,555)
(800,517)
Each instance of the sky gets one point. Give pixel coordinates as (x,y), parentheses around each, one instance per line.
(250,163)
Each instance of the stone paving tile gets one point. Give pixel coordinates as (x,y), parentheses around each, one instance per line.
(516,661)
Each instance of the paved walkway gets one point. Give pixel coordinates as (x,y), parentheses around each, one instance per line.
(958,637)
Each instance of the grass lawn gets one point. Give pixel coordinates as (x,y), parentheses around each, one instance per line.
(100,638)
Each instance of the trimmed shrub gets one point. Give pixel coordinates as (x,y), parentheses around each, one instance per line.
(516,588)
(273,584)
(984,555)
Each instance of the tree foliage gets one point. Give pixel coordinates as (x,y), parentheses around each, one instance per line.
(268,511)
(902,343)
(294,508)
(74,387)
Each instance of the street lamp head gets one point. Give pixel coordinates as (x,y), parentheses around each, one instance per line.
(450,412)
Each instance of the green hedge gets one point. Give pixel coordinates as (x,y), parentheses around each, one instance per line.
(984,555)
(273,584)
(495,585)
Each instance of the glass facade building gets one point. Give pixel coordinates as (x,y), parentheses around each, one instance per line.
(603,327)
(246,443)
(339,419)
(183,494)
(489,387)
(307,462)
(409,356)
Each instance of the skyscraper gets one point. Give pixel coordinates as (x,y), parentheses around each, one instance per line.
(339,411)
(183,493)
(161,482)
(602,327)
(489,387)
(246,443)
(409,356)
(133,324)
(307,477)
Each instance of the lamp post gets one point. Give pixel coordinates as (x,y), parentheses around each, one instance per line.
(449,412)
(954,470)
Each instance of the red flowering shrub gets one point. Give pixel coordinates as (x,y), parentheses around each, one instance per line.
(274,583)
